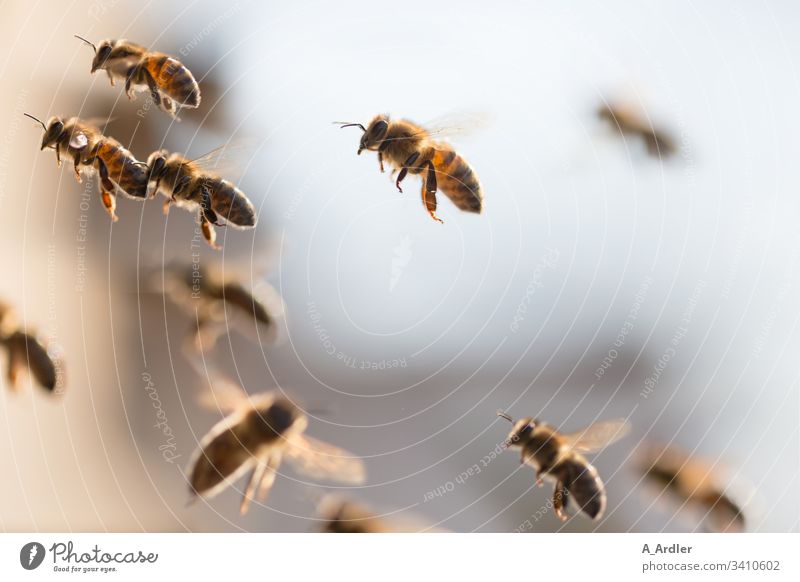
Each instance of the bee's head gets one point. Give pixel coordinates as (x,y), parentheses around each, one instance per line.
(374,133)
(52,130)
(101,52)
(520,431)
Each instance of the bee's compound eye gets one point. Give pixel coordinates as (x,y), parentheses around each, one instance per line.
(158,167)
(380,128)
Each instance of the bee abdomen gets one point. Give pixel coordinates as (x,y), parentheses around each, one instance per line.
(123,170)
(231,204)
(584,485)
(174,80)
(458,181)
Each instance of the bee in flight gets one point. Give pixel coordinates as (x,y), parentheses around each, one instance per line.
(559,458)
(408,147)
(217,305)
(188,183)
(628,122)
(341,515)
(694,485)
(26,352)
(256,437)
(170,83)
(89,149)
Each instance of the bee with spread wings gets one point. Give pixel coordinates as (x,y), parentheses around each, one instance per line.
(260,433)
(411,148)
(219,305)
(195,184)
(559,457)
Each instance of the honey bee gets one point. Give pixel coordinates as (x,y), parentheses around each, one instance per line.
(628,122)
(189,184)
(220,304)
(408,147)
(26,352)
(693,484)
(89,149)
(170,83)
(558,457)
(341,515)
(257,436)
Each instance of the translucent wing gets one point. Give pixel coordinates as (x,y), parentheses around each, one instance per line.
(257,315)
(226,158)
(223,394)
(98,122)
(598,435)
(324,462)
(457,124)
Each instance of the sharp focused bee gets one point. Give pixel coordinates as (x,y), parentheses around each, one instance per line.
(26,352)
(408,147)
(218,305)
(658,142)
(189,184)
(558,457)
(257,436)
(695,485)
(89,149)
(170,83)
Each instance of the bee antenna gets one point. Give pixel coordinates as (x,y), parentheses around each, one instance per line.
(39,121)
(343,124)
(87,42)
(502,414)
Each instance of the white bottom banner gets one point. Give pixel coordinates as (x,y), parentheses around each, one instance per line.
(400,556)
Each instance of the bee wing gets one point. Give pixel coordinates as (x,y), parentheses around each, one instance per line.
(98,122)
(598,435)
(324,462)
(224,394)
(457,124)
(225,159)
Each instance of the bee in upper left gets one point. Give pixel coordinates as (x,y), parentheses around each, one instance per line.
(170,83)
(89,149)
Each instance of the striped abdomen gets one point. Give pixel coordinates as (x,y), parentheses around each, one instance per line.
(130,177)
(230,203)
(173,79)
(456,178)
(583,484)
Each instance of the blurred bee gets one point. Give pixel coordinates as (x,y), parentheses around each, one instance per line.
(256,437)
(695,484)
(341,515)
(27,353)
(170,83)
(220,304)
(659,144)
(408,147)
(89,149)
(189,184)
(558,457)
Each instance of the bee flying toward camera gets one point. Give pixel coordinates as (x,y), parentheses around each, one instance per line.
(26,352)
(698,486)
(628,122)
(217,305)
(188,183)
(170,83)
(558,457)
(408,147)
(89,149)
(256,437)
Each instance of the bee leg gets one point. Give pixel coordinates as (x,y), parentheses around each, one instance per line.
(110,202)
(560,501)
(14,364)
(380,160)
(209,233)
(269,476)
(110,77)
(132,72)
(58,157)
(252,483)
(404,170)
(208,212)
(429,193)
(165,207)
(106,187)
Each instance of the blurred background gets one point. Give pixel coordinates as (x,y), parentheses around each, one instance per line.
(600,282)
